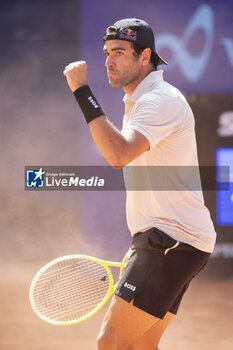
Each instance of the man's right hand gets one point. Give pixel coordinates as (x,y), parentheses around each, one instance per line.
(76,74)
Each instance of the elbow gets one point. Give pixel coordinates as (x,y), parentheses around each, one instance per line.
(117,167)
(118,163)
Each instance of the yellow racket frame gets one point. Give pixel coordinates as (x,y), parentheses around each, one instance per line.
(111,289)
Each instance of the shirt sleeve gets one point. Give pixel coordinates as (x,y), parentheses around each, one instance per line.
(154,118)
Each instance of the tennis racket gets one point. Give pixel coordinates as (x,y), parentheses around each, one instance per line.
(71,288)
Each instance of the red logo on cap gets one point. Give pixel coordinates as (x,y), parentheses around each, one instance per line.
(128,34)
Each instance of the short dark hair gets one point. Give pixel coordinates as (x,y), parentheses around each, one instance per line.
(153,58)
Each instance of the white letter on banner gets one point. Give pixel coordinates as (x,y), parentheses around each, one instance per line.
(228,44)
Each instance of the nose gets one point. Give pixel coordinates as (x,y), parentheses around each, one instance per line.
(109,62)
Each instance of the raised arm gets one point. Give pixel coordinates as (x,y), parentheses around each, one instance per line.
(116,147)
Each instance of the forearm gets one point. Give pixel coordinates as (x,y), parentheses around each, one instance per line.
(117,148)
(112,144)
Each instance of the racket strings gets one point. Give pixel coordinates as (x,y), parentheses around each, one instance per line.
(70,289)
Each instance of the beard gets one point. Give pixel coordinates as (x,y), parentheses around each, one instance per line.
(125,78)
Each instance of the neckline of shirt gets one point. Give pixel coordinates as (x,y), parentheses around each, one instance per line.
(146,83)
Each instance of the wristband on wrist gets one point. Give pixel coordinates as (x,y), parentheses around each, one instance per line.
(88,103)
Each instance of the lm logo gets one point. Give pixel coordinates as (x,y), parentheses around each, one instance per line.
(35,178)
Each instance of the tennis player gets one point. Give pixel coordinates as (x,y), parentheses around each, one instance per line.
(172,232)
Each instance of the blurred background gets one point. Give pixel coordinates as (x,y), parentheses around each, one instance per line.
(41,125)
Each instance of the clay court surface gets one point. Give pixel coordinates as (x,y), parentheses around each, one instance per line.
(204,321)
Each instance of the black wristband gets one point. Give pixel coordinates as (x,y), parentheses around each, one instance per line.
(88,103)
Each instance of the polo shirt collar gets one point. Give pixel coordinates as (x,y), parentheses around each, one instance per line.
(144,85)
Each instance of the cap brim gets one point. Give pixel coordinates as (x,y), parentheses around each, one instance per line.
(161,60)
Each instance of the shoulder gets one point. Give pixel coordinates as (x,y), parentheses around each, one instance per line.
(163,97)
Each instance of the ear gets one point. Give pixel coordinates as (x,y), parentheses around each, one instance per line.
(145,56)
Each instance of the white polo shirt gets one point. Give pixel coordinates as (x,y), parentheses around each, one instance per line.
(160,112)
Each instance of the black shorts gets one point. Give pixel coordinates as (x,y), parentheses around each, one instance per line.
(158,272)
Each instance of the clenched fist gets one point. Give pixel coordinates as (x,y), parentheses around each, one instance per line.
(76,74)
